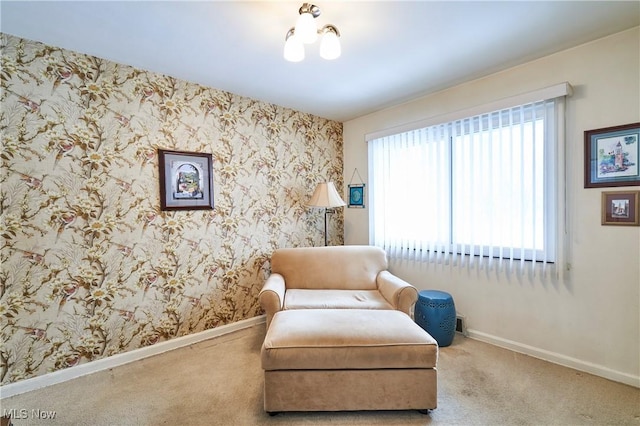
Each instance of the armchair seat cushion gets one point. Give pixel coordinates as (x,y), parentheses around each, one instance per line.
(335,299)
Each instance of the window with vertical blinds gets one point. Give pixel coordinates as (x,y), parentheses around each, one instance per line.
(476,189)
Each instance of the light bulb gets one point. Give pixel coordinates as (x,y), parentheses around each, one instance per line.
(330,44)
(293,48)
(306,28)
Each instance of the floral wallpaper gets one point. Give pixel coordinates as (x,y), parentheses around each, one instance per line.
(91,266)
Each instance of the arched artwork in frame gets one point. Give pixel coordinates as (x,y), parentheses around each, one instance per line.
(186,180)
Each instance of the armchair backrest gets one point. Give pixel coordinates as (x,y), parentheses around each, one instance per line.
(333,267)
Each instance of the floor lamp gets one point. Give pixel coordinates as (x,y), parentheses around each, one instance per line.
(326,197)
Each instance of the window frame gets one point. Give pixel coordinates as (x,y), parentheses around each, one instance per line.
(552,190)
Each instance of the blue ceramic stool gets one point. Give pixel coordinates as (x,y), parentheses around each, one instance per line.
(435,312)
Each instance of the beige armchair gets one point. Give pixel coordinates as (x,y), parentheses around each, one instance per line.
(335,277)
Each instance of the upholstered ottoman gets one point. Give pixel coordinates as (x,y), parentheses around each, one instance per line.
(348,359)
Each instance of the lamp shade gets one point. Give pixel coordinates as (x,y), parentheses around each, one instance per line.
(330,44)
(326,196)
(293,48)
(306,28)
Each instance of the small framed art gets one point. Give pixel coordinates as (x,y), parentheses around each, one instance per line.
(620,208)
(186,180)
(356,195)
(611,156)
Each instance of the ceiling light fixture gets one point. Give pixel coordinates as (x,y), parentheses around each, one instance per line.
(306,32)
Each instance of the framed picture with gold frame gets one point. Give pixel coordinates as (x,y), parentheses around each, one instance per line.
(620,208)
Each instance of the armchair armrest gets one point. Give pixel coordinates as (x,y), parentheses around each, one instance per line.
(271,296)
(399,293)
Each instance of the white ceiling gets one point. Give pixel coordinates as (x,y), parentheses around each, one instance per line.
(392,51)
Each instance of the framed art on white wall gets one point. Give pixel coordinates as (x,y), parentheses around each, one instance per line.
(611,156)
(620,208)
(356,195)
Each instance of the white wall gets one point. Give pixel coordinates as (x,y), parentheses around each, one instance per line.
(590,319)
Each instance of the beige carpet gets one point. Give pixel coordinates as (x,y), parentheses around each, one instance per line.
(219,382)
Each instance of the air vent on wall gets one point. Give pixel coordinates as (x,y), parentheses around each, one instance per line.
(461,326)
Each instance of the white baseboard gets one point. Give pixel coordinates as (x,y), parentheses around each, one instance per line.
(557,358)
(123,358)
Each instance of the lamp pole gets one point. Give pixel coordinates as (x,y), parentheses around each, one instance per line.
(326,212)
